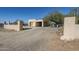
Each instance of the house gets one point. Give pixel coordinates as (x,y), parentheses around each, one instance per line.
(36,23)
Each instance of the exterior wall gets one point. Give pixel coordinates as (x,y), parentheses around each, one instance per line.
(71,30)
(16,27)
(12,27)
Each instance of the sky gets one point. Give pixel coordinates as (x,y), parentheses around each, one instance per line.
(26,13)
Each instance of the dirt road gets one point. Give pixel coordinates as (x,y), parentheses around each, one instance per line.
(36,39)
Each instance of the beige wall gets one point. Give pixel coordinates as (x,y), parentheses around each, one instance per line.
(33,24)
(16,27)
(71,30)
(12,27)
(76,31)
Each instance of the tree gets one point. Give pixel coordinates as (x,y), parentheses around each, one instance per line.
(55,17)
(74,12)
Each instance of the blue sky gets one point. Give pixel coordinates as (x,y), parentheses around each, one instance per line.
(26,13)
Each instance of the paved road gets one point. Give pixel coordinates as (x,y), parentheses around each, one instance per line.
(36,39)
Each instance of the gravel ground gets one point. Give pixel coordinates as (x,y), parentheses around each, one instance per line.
(36,39)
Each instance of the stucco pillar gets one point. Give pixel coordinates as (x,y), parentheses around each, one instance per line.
(69,28)
(20,26)
(42,24)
